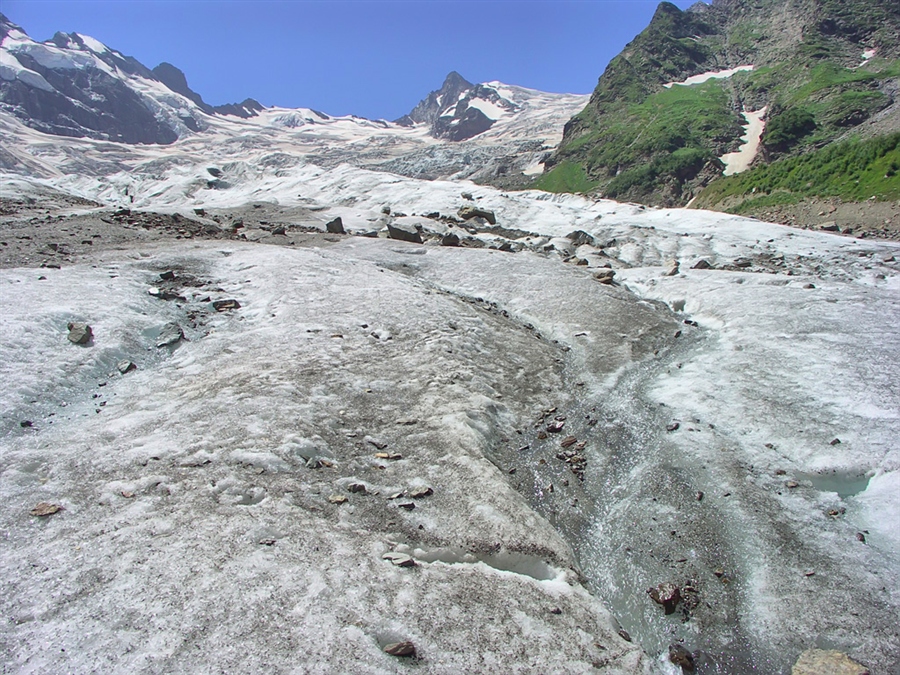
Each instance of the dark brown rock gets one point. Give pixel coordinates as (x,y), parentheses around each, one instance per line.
(405,649)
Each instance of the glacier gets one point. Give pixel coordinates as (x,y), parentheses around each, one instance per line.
(491,450)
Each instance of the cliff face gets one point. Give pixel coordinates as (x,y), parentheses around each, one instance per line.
(821,69)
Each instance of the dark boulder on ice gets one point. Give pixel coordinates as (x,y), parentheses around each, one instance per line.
(666,594)
(702,264)
(125,366)
(79,333)
(403,232)
(680,656)
(400,649)
(450,239)
(225,305)
(335,226)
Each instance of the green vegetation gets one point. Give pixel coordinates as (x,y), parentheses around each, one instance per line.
(784,130)
(637,140)
(565,177)
(671,133)
(853,170)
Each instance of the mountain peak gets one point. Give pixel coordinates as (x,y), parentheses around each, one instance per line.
(455,80)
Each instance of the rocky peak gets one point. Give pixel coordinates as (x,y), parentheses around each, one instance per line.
(175,80)
(459,109)
(430,108)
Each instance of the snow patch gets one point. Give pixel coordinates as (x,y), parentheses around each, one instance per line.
(740,160)
(94,45)
(711,75)
(491,110)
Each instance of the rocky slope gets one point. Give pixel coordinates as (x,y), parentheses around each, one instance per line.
(670,106)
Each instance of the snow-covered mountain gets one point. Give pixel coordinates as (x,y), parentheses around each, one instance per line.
(75,86)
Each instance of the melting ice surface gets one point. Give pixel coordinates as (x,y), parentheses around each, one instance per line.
(194,517)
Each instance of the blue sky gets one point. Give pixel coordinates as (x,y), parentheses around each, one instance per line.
(371,58)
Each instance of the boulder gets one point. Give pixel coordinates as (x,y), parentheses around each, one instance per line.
(666,594)
(580,238)
(403,232)
(702,264)
(79,333)
(335,226)
(680,656)
(605,276)
(170,334)
(225,305)
(469,212)
(450,239)
(400,649)
(827,662)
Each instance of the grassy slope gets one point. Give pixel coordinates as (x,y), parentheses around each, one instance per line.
(853,170)
(638,141)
